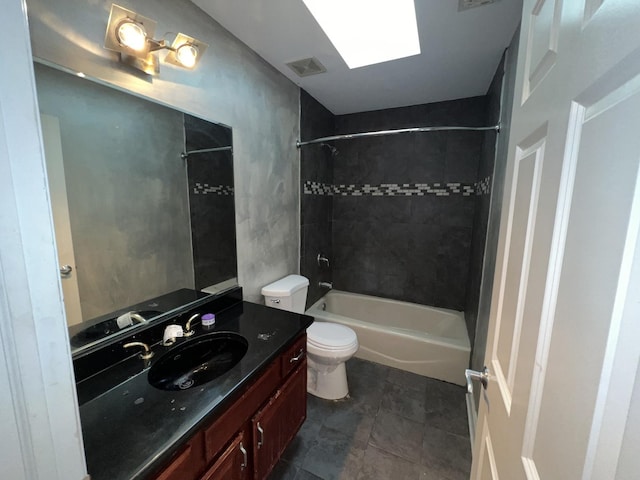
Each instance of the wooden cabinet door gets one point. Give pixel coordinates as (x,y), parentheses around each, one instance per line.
(217,434)
(232,464)
(187,464)
(277,423)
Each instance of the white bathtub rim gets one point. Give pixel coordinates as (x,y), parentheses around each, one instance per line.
(456,343)
(449,311)
(319,314)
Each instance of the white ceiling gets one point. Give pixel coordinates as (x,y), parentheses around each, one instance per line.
(460,51)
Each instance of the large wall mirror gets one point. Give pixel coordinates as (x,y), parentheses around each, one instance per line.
(143,204)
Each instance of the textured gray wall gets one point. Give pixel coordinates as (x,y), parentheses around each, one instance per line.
(232,85)
(126,191)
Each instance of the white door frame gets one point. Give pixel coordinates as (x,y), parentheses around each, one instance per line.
(40,423)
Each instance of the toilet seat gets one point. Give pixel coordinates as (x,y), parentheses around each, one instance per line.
(331,336)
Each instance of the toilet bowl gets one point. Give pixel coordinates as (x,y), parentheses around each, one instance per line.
(329,345)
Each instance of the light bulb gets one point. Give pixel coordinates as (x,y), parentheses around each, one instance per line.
(187,55)
(132,35)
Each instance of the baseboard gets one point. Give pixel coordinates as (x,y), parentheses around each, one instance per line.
(472,418)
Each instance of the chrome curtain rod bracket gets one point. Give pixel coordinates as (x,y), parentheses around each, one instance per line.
(379,133)
(185,155)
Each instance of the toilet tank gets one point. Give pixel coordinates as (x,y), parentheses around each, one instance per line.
(288,293)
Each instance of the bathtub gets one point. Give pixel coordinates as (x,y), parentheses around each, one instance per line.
(425,340)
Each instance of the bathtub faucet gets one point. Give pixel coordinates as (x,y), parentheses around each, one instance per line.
(328,285)
(322,259)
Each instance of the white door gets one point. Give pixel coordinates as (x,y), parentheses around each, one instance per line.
(565,317)
(61,220)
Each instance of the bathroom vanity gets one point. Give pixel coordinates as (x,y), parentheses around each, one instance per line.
(247,439)
(235,426)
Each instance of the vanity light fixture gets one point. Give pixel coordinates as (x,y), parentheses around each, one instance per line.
(131,35)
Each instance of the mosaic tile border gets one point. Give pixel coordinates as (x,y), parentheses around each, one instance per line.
(205,188)
(483,187)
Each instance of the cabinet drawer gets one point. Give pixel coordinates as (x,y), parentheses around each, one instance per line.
(295,355)
(218,433)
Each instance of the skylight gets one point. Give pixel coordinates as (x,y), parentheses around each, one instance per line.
(366,32)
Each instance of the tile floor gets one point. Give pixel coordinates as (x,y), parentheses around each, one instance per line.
(395,425)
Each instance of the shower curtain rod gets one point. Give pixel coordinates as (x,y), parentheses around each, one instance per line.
(205,150)
(379,133)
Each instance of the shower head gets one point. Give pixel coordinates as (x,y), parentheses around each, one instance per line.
(332,149)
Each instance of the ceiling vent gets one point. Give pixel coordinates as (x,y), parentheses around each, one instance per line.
(468,4)
(306,67)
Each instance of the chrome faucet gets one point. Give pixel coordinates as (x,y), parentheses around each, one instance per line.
(328,285)
(187,328)
(147,351)
(322,259)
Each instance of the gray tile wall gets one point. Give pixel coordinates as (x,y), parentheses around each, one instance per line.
(414,248)
(211,202)
(481,216)
(316,164)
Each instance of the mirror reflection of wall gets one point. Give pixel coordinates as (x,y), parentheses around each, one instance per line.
(128,194)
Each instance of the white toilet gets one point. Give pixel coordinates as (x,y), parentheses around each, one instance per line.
(329,345)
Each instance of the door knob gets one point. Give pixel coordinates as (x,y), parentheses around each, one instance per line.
(482,377)
(66,270)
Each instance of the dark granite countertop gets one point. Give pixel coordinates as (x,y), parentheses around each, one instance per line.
(133,429)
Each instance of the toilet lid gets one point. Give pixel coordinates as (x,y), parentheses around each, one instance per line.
(331,335)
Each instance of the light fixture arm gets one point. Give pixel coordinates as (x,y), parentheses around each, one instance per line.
(155,45)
